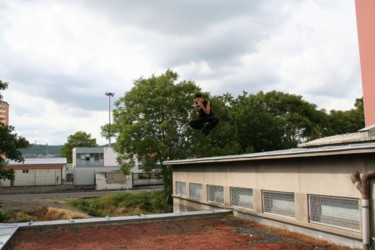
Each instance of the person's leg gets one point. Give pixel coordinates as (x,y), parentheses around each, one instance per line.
(197,124)
(211,123)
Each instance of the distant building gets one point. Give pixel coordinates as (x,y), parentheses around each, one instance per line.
(4,113)
(366,39)
(98,166)
(87,161)
(36,172)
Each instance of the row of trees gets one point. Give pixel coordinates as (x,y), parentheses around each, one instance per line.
(151,120)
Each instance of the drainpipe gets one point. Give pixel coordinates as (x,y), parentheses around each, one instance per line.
(362,184)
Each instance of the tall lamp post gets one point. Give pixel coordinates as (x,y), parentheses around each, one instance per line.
(109,94)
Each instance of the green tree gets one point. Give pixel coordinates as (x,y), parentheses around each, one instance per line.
(3,86)
(342,122)
(275,120)
(223,139)
(10,145)
(151,121)
(79,139)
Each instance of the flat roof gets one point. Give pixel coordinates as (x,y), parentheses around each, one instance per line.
(39,161)
(359,148)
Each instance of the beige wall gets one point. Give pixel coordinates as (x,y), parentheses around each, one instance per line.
(326,175)
(323,176)
(4,113)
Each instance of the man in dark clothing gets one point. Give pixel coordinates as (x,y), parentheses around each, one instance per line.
(206,120)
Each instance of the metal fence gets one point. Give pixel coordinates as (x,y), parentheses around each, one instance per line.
(195,191)
(335,211)
(181,188)
(215,193)
(143,179)
(241,197)
(280,203)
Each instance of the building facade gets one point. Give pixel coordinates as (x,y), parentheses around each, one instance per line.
(36,172)
(306,190)
(365,10)
(87,161)
(98,166)
(4,113)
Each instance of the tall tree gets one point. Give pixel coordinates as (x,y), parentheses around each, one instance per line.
(152,121)
(342,122)
(275,120)
(79,139)
(10,145)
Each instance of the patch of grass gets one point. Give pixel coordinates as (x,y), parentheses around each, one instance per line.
(123,204)
(40,214)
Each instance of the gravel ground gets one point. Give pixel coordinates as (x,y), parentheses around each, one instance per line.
(204,233)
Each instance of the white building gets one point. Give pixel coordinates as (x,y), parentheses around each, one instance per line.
(98,166)
(36,172)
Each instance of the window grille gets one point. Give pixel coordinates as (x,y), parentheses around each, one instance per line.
(279,203)
(215,193)
(335,211)
(195,191)
(180,188)
(241,197)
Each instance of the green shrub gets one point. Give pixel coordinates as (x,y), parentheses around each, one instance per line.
(3,217)
(126,203)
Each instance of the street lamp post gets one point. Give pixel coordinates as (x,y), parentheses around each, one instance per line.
(109,94)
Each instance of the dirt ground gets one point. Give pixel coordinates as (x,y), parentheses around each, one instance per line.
(213,233)
(28,204)
(204,233)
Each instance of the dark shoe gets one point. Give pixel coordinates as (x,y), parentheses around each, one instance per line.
(205,132)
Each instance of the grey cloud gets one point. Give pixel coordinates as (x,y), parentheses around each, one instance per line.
(181,18)
(71,91)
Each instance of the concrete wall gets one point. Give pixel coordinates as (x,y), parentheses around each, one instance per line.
(365,10)
(86,175)
(328,176)
(110,157)
(38,177)
(113,181)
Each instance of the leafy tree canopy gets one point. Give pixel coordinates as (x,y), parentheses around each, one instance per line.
(152,118)
(342,122)
(274,120)
(79,139)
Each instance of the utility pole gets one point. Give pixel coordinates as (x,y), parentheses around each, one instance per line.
(109,94)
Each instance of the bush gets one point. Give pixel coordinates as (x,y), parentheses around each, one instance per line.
(3,217)
(128,203)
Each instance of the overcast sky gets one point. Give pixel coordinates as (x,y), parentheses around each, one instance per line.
(61,57)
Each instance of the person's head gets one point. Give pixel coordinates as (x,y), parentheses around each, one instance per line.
(199,97)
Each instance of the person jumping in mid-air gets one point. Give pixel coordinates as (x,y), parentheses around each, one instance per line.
(206,120)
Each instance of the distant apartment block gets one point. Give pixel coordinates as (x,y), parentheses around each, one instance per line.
(366,38)
(4,113)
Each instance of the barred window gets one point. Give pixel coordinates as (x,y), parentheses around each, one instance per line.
(280,203)
(241,197)
(195,191)
(215,193)
(335,211)
(180,188)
